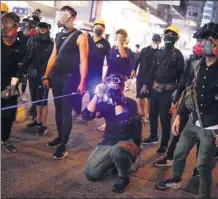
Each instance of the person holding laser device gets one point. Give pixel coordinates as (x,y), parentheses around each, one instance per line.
(122,137)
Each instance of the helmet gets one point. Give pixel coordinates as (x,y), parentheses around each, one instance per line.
(100,22)
(173,29)
(21,114)
(156,38)
(209,29)
(4,7)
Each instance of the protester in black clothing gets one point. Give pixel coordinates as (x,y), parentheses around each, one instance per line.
(201,104)
(145,62)
(122,137)
(11,70)
(167,160)
(67,68)
(164,76)
(36,59)
(99,49)
(119,55)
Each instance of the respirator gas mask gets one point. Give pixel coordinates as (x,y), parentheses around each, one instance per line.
(65,20)
(169,40)
(209,47)
(8,28)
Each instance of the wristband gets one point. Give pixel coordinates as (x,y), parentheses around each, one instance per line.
(45,78)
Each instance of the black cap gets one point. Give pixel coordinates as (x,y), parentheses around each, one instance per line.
(42,25)
(156,38)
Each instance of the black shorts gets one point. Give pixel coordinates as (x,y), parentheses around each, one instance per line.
(41,94)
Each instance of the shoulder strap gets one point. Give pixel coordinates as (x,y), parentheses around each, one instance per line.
(66,41)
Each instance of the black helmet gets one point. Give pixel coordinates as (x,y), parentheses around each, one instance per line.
(209,29)
(156,38)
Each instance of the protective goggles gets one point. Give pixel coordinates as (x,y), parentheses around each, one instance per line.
(114,80)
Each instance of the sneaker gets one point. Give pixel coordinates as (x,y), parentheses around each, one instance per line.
(195,172)
(34,124)
(43,130)
(121,185)
(162,149)
(60,153)
(54,143)
(168,183)
(102,127)
(150,140)
(9,147)
(164,162)
(216,155)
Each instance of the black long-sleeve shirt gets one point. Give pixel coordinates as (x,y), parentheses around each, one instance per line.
(121,127)
(207,89)
(11,56)
(168,67)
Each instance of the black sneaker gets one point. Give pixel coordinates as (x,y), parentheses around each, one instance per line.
(34,124)
(60,153)
(164,162)
(168,183)
(162,149)
(216,155)
(150,140)
(43,130)
(54,143)
(9,147)
(195,172)
(121,185)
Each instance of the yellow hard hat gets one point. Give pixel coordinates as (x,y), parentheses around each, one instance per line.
(21,114)
(173,29)
(4,7)
(99,21)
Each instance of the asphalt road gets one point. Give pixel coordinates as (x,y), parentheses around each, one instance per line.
(32,173)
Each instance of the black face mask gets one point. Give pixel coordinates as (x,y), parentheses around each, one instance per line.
(98,32)
(43,37)
(169,41)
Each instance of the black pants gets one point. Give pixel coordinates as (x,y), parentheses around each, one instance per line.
(24,83)
(64,85)
(160,104)
(175,139)
(32,87)
(7,117)
(78,104)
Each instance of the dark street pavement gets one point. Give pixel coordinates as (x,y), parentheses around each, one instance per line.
(32,173)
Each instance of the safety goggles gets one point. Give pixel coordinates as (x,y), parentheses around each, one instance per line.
(114,80)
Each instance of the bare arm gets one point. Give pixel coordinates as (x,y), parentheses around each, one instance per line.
(82,43)
(122,51)
(51,62)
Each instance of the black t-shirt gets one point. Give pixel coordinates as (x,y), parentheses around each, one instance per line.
(117,64)
(98,51)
